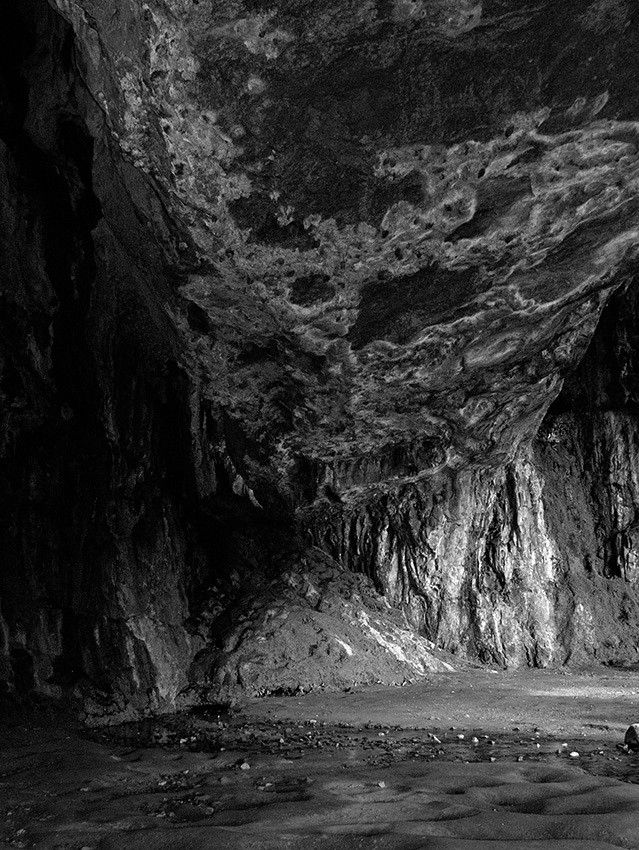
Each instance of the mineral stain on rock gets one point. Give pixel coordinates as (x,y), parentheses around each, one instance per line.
(397,308)
(312,289)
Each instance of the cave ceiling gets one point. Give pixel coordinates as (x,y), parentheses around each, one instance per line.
(400,219)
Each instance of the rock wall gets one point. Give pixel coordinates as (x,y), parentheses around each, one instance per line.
(317,349)
(94,541)
(534,562)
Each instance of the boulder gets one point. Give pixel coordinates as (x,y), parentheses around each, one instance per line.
(631,738)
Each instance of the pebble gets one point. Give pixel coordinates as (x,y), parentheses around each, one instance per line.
(574,754)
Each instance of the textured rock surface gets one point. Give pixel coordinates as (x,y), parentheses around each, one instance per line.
(94,547)
(315,626)
(353,276)
(397,274)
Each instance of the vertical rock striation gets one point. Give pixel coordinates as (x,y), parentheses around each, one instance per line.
(534,562)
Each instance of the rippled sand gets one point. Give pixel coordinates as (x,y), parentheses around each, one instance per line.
(473,760)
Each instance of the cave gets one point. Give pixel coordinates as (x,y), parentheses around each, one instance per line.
(319,381)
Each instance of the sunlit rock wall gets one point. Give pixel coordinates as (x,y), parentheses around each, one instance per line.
(534,562)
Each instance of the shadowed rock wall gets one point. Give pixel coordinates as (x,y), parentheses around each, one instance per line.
(97,560)
(318,360)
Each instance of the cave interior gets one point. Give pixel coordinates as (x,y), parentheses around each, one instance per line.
(319,346)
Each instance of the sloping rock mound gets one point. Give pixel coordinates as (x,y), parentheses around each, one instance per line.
(316,626)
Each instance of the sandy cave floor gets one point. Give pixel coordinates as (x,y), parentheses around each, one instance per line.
(371,768)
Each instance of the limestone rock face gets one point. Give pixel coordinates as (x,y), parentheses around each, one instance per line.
(403,219)
(314,289)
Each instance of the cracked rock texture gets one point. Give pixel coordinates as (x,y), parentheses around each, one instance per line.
(318,359)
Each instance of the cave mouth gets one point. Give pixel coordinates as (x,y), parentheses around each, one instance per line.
(237,463)
(285,293)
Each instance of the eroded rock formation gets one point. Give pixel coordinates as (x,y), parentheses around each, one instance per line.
(318,348)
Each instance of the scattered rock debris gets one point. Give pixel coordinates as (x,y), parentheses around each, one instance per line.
(220,769)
